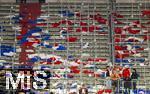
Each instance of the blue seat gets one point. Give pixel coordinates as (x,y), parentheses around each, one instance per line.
(66,13)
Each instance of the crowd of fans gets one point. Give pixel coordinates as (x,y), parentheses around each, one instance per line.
(118,76)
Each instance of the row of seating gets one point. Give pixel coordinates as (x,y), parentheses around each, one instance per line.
(74,51)
(80,45)
(134,25)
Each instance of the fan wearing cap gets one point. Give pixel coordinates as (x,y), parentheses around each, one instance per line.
(126,72)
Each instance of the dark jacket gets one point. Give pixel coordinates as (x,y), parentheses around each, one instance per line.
(85,89)
(107,73)
(134,75)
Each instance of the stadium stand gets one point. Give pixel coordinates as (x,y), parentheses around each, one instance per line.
(74,42)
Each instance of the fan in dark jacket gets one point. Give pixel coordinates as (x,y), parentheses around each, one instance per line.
(83,90)
(134,78)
